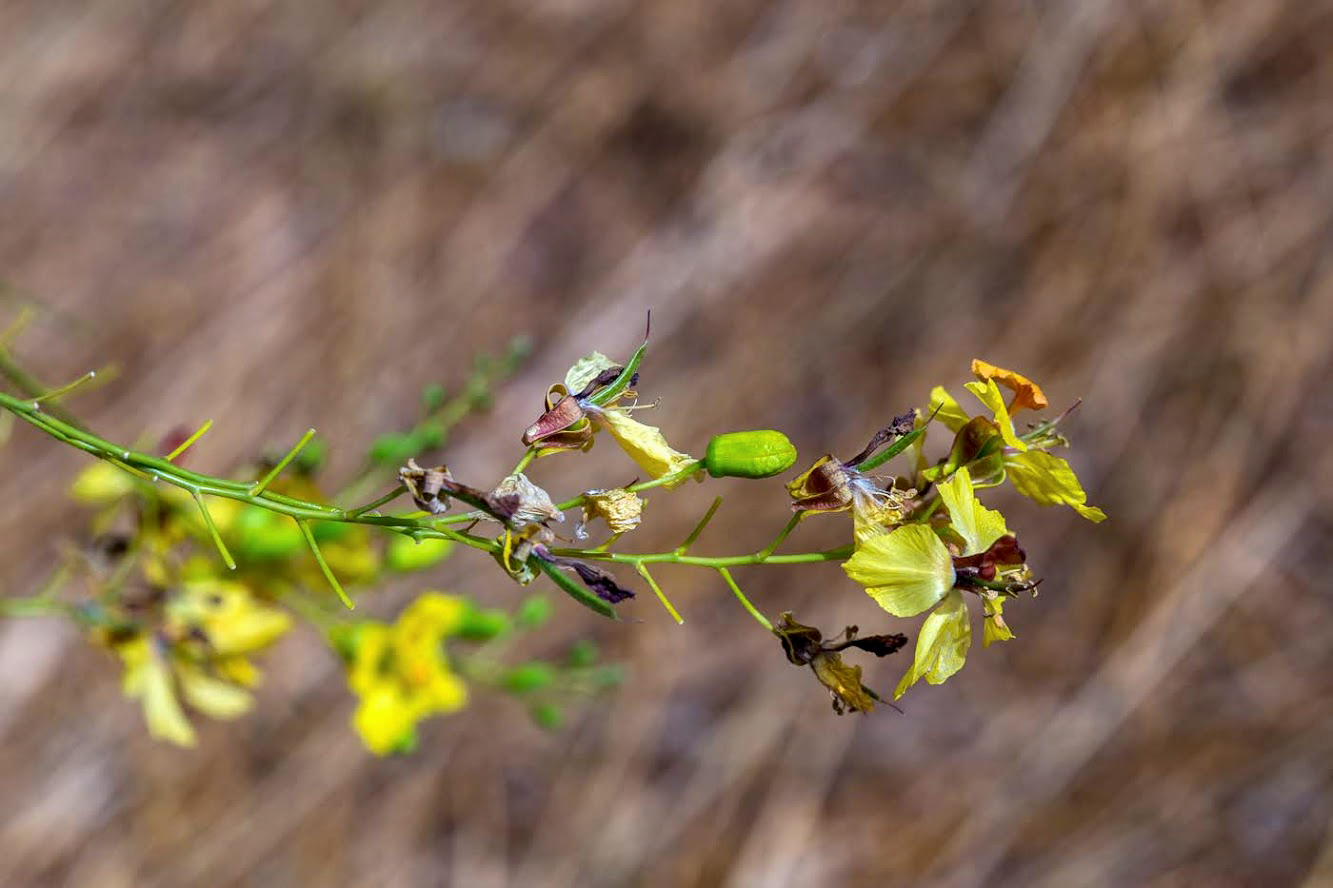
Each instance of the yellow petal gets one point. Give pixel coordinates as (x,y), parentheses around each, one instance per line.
(1050,481)
(946,410)
(644,444)
(229,615)
(976,524)
(989,394)
(995,628)
(906,570)
(942,645)
(1026,392)
(148,679)
(384,720)
(371,643)
(211,696)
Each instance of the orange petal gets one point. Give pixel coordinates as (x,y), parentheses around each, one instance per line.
(1026,392)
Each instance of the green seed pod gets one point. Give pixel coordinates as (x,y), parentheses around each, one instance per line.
(757,454)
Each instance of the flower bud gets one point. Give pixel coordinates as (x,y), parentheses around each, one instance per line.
(757,454)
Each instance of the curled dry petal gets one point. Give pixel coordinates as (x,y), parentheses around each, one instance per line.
(1026,392)
(425,486)
(621,509)
(525,502)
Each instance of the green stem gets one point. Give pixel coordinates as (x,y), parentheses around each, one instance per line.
(527,459)
(699,528)
(189,442)
(661,596)
(745,602)
(259,485)
(213,531)
(324,565)
(376,503)
(36,606)
(782,535)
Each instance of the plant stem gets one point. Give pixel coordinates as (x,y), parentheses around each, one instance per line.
(259,485)
(661,596)
(745,602)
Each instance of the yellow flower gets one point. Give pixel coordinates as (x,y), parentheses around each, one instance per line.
(1036,474)
(401,673)
(208,629)
(232,622)
(977,525)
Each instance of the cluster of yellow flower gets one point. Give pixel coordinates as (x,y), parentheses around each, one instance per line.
(913,554)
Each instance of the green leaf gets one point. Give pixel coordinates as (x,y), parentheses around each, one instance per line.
(1049,480)
(609,393)
(892,450)
(905,570)
(976,524)
(941,647)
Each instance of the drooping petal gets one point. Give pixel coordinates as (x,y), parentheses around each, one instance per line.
(1050,481)
(212,696)
(644,444)
(941,646)
(1026,392)
(988,393)
(946,410)
(148,679)
(843,682)
(906,570)
(976,524)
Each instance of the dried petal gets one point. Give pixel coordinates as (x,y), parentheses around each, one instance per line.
(603,585)
(843,682)
(621,509)
(425,485)
(824,487)
(1026,392)
(525,502)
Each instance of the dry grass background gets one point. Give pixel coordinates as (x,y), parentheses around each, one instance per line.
(284,214)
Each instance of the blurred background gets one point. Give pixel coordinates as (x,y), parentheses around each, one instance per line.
(290,214)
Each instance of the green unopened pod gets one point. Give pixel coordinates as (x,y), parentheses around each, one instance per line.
(757,454)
